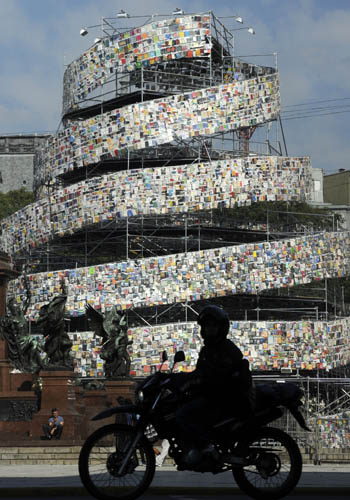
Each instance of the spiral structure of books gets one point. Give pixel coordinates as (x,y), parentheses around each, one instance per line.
(155,133)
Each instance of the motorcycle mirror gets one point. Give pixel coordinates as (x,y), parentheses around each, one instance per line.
(179,357)
(164,356)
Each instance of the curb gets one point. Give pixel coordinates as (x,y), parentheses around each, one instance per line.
(39,492)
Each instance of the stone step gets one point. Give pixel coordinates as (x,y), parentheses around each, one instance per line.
(45,453)
(42,449)
(37,456)
(39,462)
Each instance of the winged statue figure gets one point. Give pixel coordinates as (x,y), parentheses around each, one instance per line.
(52,324)
(25,351)
(112,328)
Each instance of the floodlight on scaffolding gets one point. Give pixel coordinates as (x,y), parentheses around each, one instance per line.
(178,12)
(122,14)
(97,40)
(238,19)
(83,32)
(249,29)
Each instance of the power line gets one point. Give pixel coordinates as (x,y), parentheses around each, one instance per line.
(310,109)
(325,108)
(316,102)
(314,115)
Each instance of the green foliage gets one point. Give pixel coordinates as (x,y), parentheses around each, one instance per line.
(14,200)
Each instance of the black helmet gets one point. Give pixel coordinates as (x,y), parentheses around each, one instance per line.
(218,314)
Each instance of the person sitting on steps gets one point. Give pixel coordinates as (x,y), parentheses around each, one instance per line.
(54,428)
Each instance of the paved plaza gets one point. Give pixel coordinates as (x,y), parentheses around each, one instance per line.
(65,478)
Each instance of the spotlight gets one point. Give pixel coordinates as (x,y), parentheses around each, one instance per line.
(251,31)
(178,12)
(83,32)
(97,40)
(122,13)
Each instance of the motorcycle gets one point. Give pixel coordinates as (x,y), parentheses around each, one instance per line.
(117,461)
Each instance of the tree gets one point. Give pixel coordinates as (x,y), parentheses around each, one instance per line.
(14,200)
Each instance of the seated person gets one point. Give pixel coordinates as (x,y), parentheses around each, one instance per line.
(55,426)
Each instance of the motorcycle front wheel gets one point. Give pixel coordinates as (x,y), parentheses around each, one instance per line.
(101,457)
(276,464)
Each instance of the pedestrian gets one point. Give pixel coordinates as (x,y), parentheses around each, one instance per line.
(53,429)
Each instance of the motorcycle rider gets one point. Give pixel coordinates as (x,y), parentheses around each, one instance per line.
(220,386)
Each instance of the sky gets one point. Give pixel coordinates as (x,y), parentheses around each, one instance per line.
(311,39)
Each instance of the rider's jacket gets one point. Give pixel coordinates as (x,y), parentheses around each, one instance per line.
(221,374)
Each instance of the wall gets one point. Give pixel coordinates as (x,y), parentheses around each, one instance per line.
(337,188)
(16,161)
(16,172)
(317,191)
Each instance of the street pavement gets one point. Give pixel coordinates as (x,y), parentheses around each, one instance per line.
(58,480)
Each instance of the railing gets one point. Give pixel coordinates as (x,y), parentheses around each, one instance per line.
(327,413)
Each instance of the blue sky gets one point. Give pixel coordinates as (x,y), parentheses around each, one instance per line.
(311,37)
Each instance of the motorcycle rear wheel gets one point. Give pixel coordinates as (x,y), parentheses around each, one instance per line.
(277,464)
(103,453)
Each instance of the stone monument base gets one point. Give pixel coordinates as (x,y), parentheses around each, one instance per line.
(124,387)
(59,391)
(17,403)
(94,402)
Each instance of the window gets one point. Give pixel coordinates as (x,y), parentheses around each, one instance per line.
(317,186)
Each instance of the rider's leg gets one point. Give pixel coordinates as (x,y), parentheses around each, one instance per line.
(195,420)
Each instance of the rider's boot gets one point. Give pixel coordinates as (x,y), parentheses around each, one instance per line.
(190,459)
(209,451)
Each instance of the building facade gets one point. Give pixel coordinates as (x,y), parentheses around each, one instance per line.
(17,153)
(337,188)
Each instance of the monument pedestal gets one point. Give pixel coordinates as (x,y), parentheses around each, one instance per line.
(94,402)
(58,391)
(124,387)
(5,369)
(17,401)
(16,411)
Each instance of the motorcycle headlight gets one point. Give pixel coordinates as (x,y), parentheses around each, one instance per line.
(140,396)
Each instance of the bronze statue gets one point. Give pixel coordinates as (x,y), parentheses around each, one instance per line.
(113,329)
(57,342)
(25,351)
